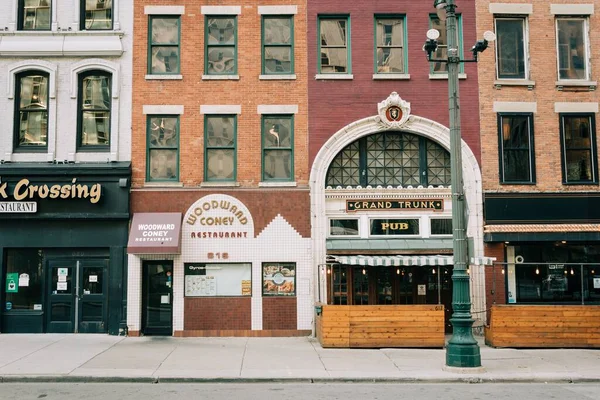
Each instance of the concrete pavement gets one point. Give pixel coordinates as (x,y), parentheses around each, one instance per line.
(53,357)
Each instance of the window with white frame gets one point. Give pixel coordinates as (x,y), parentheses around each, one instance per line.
(572,53)
(511,48)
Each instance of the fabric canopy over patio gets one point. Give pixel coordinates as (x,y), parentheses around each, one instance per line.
(405,261)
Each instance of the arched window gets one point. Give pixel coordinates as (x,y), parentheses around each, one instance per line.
(393,158)
(94,108)
(31,111)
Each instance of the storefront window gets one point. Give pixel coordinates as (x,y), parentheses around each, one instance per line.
(339,282)
(23,280)
(441,226)
(388,227)
(210,280)
(551,273)
(279,279)
(343,227)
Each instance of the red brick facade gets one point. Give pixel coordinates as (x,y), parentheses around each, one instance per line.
(279,313)
(212,313)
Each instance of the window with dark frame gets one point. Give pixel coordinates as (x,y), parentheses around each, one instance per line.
(220,147)
(31,111)
(578,144)
(96,15)
(34,15)
(572,40)
(390,158)
(220,45)
(279,279)
(441,53)
(334,45)
(94,110)
(164,45)
(517,160)
(390,46)
(25,264)
(278,147)
(277,45)
(162,163)
(440,226)
(343,227)
(511,48)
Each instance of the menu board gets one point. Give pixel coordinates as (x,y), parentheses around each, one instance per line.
(200,285)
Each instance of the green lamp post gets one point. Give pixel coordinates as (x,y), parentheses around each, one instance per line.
(462,350)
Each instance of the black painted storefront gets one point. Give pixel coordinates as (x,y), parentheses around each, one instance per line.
(70,255)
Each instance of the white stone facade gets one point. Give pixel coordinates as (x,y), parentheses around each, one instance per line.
(63,52)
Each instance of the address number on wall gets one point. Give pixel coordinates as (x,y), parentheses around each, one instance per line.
(218,256)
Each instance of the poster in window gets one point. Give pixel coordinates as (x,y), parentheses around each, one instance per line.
(200,285)
(279,279)
(597,283)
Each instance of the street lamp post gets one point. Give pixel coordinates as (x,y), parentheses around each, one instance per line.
(462,350)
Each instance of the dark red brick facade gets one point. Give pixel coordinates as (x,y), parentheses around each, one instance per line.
(213,313)
(279,313)
(334,104)
(495,279)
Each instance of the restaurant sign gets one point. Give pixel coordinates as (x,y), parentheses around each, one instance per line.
(25,190)
(218,216)
(401,204)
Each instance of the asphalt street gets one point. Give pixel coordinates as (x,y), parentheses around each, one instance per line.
(288,391)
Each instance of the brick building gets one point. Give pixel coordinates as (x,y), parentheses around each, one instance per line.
(220,146)
(65,148)
(538,103)
(378,117)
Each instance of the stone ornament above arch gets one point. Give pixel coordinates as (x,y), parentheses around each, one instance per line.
(393,111)
(34,65)
(97,64)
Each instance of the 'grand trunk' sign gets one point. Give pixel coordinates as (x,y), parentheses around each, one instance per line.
(405,205)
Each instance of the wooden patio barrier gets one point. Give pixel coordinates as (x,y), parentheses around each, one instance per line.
(544,326)
(380,326)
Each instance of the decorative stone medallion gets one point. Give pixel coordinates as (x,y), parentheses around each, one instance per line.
(394,111)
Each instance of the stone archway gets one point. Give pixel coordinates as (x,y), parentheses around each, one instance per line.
(410,124)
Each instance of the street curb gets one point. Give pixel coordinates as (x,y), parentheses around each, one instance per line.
(407,380)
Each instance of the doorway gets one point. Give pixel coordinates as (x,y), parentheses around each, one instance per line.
(157,298)
(77,296)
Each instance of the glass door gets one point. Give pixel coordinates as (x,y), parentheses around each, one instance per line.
(60,314)
(91,301)
(157,292)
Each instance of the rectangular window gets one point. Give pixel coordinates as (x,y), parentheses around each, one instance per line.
(162,163)
(390,45)
(278,45)
(578,142)
(441,52)
(213,280)
(220,45)
(279,279)
(343,227)
(442,226)
(278,147)
(94,110)
(96,14)
(511,48)
(164,45)
(517,161)
(31,109)
(572,41)
(389,227)
(334,45)
(35,15)
(23,280)
(220,140)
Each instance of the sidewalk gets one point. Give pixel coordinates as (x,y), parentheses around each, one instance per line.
(157,359)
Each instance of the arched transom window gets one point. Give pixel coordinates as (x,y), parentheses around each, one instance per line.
(391,158)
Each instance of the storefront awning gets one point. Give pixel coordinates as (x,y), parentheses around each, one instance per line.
(406,261)
(155,233)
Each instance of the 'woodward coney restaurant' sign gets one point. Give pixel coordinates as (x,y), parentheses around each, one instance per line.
(401,204)
(24,190)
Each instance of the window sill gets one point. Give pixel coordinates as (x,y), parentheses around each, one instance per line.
(391,76)
(498,83)
(576,83)
(163,184)
(220,77)
(163,77)
(62,43)
(219,184)
(277,184)
(334,76)
(277,77)
(445,76)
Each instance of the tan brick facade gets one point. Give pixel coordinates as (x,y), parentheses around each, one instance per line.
(543,71)
(192,91)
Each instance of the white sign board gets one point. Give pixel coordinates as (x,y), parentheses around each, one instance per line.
(24,280)
(422,290)
(200,285)
(93,278)
(18,207)
(596,283)
(63,271)
(61,286)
